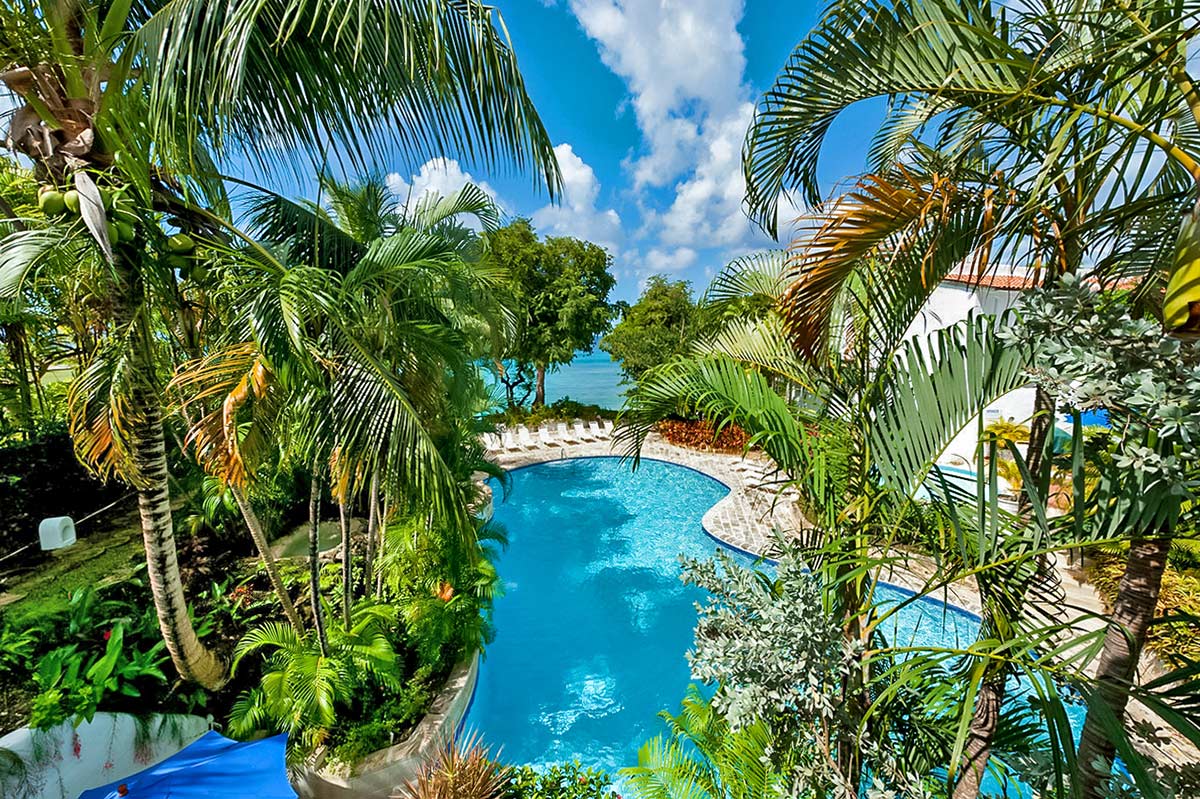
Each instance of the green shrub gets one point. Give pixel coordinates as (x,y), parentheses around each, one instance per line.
(74,683)
(383,715)
(561,781)
(1174,641)
(565,409)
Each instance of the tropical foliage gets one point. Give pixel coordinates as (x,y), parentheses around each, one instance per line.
(659,326)
(560,289)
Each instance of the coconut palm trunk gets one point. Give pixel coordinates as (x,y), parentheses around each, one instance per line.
(194,661)
(344,521)
(1137,599)
(254,525)
(314,560)
(143,433)
(978,750)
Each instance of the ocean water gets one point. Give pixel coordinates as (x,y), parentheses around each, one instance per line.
(591,378)
(594,623)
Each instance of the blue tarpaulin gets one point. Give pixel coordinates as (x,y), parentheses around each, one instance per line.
(213,766)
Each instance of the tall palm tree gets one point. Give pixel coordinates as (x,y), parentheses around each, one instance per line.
(344,354)
(860,437)
(145,97)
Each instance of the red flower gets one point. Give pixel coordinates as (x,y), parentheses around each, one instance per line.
(107,634)
(76,745)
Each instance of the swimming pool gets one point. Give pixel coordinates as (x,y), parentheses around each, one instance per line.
(594,623)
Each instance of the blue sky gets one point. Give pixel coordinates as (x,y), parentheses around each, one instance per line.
(647,102)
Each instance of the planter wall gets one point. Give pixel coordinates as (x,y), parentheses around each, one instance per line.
(64,761)
(380,773)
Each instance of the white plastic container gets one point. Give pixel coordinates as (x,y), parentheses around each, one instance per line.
(57,532)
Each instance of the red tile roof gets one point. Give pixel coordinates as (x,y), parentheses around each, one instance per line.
(1019,282)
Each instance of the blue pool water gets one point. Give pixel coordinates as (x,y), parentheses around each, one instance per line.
(594,623)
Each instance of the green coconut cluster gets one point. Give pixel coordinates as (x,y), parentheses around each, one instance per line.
(123,225)
(181,256)
(118,209)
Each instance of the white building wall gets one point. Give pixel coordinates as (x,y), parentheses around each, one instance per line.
(950,304)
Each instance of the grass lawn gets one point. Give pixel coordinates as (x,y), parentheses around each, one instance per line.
(108,552)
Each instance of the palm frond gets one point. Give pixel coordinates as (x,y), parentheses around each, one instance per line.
(939,386)
(433,79)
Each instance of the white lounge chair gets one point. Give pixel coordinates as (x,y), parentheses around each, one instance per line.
(565,435)
(597,433)
(608,426)
(510,441)
(525,438)
(581,432)
(491,442)
(546,438)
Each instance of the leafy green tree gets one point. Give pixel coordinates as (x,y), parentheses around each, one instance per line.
(561,287)
(143,99)
(353,351)
(659,326)
(1091,350)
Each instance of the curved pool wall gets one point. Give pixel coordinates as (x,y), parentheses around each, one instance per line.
(594,623)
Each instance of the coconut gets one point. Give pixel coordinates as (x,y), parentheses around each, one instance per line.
(51,202)
(181,243)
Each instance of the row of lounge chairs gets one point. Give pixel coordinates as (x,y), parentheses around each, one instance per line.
(560,434)
(766,477)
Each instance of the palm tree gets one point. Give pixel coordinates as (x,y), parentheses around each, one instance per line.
(143,98)
(428,307)
(704,759)
(1075,115)
(346,363)
(860,437)
(823,421)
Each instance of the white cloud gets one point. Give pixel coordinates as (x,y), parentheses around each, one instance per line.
(683,62)
(708,204)
(669,260)
(578,214)
(440,175)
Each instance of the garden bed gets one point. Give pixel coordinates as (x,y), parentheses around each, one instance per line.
(380,772)
(701,435)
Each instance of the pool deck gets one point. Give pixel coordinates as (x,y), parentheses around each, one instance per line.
(751,519)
